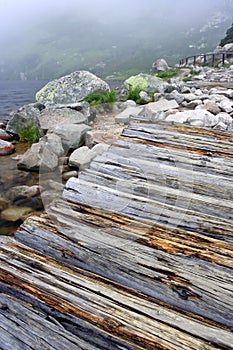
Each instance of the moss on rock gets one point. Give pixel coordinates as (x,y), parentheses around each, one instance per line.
(143,82)
(71,88)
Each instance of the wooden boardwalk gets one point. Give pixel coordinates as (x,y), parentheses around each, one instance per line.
(137,255)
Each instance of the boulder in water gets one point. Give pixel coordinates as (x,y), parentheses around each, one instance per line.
(25,117)
(6,148)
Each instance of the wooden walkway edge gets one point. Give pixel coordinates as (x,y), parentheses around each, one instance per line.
(136,255)
(207,58)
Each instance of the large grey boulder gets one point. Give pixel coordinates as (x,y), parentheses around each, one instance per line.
(160,65)
(144,82)
(71,88)
(72,135)
(82,107)
(60,116)
(43,155)
(25,117)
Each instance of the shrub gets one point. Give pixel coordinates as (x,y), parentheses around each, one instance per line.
(101,97)
(29,133)
(133,94)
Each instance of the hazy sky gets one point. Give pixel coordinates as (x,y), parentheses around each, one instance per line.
(18,15)
(48,29)
(21,12)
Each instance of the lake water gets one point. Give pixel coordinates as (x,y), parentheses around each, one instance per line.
(15,94)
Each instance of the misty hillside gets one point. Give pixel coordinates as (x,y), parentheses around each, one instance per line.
(108,45)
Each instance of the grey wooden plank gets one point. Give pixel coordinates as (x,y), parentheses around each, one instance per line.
(137,205)
(136,263)
(84,295)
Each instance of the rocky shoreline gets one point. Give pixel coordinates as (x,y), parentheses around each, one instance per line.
(72,132)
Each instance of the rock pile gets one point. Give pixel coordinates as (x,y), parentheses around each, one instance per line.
(183,102)
(215,75)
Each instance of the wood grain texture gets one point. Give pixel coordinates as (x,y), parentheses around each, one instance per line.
(136,255)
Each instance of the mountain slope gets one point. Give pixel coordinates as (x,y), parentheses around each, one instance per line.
(57,45)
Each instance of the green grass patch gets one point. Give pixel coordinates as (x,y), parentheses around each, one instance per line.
(98,98)
(124,75)
(187,79)
(168,74)
(29,133)
(192,74)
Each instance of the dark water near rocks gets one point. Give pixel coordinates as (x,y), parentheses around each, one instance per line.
(16,93)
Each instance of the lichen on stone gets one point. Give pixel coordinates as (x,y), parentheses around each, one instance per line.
(143,82)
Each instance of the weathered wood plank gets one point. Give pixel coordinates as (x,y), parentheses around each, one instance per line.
(34,325)
(138,255)
(71,291)
(135,205)
(179,196)
(210,165)
(198,145)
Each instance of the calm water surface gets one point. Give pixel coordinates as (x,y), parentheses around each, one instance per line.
(16,93)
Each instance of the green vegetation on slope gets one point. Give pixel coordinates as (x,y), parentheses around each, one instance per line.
(228,38)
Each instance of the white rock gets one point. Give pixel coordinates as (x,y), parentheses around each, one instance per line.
(225,118)
(220,126)
(81,157)
(226,106)
(124,117)
(161,105)
(203,117)
(99,149)
(128,103)
(144,96)
(222,91)
(175,95)
(190,97)
(198,92)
